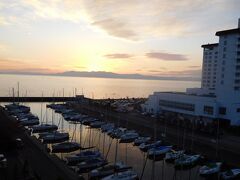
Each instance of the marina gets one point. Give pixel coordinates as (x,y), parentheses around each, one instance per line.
(91,146)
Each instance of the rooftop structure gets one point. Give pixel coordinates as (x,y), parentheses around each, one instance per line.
(219,95)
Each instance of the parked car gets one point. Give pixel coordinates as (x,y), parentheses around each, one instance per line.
(3,161)
(19,143)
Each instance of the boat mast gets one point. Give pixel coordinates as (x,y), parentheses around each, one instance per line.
(13,95)
(41,109)
(18,92)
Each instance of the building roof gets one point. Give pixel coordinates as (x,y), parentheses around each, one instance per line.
(209,45)
(229,31)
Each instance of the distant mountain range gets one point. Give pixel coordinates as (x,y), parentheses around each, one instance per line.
(103,74)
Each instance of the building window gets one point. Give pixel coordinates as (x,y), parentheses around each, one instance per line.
(238,110)
(225,42)
(223,63)
(208,110)
(224,49)
(177,105)
(224,55)
(222,110)
(222,82)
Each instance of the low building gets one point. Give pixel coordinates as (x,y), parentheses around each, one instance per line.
(219,95)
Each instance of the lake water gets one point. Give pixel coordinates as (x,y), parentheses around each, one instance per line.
(90,87)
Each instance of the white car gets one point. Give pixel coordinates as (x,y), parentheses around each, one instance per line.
(3,161)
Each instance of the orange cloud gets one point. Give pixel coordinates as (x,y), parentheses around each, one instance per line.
(166,56)
(118,56)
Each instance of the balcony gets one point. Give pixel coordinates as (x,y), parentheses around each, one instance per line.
(237,81)
(238,60)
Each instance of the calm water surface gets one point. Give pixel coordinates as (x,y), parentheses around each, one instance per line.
(90,87)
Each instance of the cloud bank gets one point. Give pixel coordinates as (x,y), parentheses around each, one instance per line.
(118,56)
(166,56)
(132,20)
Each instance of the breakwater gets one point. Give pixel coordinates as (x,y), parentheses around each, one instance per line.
(37,99)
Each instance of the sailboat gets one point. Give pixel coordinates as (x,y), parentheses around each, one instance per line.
(96,124)
(230,174)
(210,169)
(128,137)
(43,128)
(141,140)
(186,161)
(158,152)
(90,164)
(108,170)
(65,147)
(173,155)
(126,175)
(54,137)
(107,127)
(148,145)
(29,122)
(89,120)
(82,156)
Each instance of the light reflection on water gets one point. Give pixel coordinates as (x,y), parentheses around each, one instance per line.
(127,153)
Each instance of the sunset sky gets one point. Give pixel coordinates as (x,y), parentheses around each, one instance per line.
(150,37)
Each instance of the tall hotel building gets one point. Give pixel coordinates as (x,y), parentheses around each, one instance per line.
(219,95)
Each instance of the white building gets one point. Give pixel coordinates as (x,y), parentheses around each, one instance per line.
(219,95)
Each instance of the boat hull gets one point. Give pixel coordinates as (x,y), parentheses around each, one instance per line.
(66,148)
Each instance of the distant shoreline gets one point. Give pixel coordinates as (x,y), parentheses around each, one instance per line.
(104,75)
